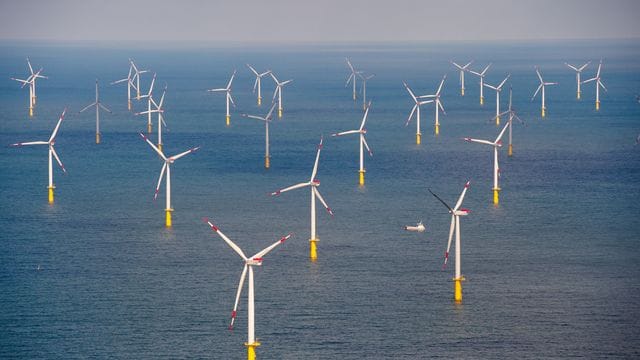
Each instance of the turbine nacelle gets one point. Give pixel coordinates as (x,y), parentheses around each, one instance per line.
(254,262)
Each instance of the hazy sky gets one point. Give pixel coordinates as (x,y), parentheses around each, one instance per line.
(331,20)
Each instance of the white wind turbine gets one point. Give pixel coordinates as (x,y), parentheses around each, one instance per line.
(52,154)
(257,83)
(363,142)
(416,110)
(364,80)
(496,169)
(227,91)
(352,77)
(313,185)
(31,81)
(98,104)
(439,106)
(481,75)
(599,84)
(129,80)
(455,212)
(267,120)
(166,168)
(149,97)
(278,92)
(249,263)
(136,77)
(512,115)
(578,71)
(159,109)
(498,89)
(542,86)
(463,69)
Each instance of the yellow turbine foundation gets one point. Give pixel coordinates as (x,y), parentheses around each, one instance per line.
(259,101)
(129,105)
(418,138)
(51,193)
(543,112)
(167,221)
(481,100)
(457,290)
(496,196)
(354,96)
(437,129)
(30,111)
(313,249)
(251,350)
(510,151)
(497,120)
(279,112)
(361,182)
(160,147)
(462,91)
(228,117)
(597,105)
(97,138)
(148,128)
(578,95)
(267,162)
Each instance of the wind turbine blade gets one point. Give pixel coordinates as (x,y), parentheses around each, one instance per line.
(255,84)
(164,168)
(584,66)
(231,99)
(442,201)
(254,117)
(485,70)
(86,107)
(501,133)
(253,70)
(315,165)
(572,67)
(364,117)
(153,147)
(217,90)
(292,187)
(268,249)
(409,90)
(238,293)
(504,81)
(224,237)
(346,133)
(349,65)
(285,82)
(411,114)
(55,130)
(451,228)
(275,92)
(441,83)
(599,67)
(364,141)
(324,203)
(176,157)
(491,87)
(478,141)
(31,143)
(602,84)
(536,93)
(55,155)
(464,191)
(104,107)
(231,80)
(349,79)
(589,80)
(29,64)
(269,114)
(440,106)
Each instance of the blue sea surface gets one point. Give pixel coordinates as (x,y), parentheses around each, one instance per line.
(552,271)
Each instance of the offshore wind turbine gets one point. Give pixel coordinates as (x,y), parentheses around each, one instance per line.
(149,97)
(512,115)
(136,77)
(278,91)
(352,77)
(228,98)
(364,80)
(416,110)
(463,69)
(52,154)
(363,142)
(438,105)
(578,70)
(249,263)
(129,80)
(481,75)
(257,83)
(542,86)
(98,104)
(159,109)
(166,168)
(267,120)
(455,212)
(31,81)
(498,89)
(497,143)
(313,185)
(599,84)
